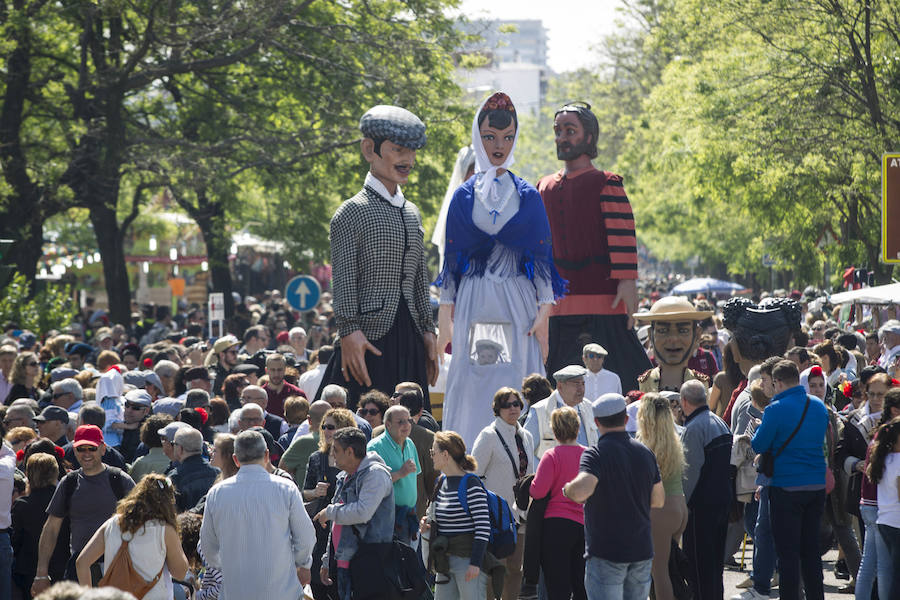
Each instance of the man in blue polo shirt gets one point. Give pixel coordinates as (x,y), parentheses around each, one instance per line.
(618,482)
(399,453)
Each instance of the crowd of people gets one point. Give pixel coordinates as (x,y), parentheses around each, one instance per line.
(267,462)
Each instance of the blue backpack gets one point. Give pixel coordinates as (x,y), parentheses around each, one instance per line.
(502,542)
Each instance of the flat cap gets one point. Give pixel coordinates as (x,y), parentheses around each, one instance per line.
(395,124)
(570,372)
(891,326)
(53,413)
(135,378)
(79,348)
(595,348)
(60,373)
(171,429)
(139,397)
(608,405)
(224,343)
(153,379)
(196,373)
(247,368)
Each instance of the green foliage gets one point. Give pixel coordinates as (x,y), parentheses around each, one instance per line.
(50,308)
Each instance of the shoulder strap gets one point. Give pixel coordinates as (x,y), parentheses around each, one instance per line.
(70,482)
(796,429)
(115,482)
(462,492)
(508,453)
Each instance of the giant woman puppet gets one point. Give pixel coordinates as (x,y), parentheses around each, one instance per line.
(498,281)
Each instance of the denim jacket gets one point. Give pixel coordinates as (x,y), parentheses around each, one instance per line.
(365,501)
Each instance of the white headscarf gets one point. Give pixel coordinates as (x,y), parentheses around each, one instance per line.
(464,159)
(486,186)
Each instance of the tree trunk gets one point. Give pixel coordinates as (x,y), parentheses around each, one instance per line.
(210,218)
(112,252)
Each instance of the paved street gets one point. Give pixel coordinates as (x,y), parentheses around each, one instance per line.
(734,576)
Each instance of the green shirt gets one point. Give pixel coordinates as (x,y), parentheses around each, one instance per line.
(394,457)
(296,457)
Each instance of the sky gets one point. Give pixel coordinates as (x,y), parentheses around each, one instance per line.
(573,26)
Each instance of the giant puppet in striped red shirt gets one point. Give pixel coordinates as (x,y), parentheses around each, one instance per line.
(595,248)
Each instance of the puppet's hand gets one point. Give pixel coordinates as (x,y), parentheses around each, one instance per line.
(627,292)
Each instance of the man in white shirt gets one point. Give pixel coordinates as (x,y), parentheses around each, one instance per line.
(598,381)
(310,381)
(569,392)
(268,556)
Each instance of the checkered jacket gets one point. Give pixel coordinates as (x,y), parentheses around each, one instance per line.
(377,253)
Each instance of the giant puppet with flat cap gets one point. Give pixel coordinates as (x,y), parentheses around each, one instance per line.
(674,334)
(380,284)
(594,248)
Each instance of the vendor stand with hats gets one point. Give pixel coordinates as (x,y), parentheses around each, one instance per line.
(674,335)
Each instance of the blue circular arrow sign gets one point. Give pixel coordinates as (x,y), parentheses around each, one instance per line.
(303,292)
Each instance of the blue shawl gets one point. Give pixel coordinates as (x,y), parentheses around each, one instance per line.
(526,236)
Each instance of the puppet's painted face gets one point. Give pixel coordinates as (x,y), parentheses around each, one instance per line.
(394,165)
(498,143)
(672,341)
(570,136)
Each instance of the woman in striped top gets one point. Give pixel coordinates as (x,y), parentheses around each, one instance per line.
(468,532)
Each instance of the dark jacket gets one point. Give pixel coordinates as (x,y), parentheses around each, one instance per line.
(273,425)
(192,479)
(28,516)
(707,448)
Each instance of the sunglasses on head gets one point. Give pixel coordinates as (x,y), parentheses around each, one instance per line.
(329,427)
(368,411)
(513,404)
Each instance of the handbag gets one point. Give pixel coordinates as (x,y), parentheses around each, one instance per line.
(766,464)
(122,575)
(679,567)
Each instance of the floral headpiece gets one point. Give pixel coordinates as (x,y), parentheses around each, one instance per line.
(498,101)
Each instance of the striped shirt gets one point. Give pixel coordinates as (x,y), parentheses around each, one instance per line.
(452,519)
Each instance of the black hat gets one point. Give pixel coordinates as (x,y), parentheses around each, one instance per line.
(53,413)
(196,373)
(384,122)
(79,348)
(247,369)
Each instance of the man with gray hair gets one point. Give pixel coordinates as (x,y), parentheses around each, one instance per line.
(336,396)
(67,394)
(20,415)
(194,475)
(707,489)
(166,371)
(268,556)
(399,453)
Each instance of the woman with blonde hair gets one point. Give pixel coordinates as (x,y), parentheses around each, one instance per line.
(25,371)
(146,520)
(656,430)
(562,531)
(318,489)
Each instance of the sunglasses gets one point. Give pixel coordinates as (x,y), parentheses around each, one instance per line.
(329,427)
(86,449)
(31,364)
(134,406)
(593,355)
(60,394)
(368,411)
(515,404)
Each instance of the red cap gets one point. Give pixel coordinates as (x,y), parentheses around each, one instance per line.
(283,337)
(88,435)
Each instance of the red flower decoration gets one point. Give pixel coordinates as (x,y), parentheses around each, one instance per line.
(498,101)
(20,455)
(204,416)
(116,367)
(816,371)
(60,453)
(148,362)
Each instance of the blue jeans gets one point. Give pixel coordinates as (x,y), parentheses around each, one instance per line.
(875,558)
(6,561)
(891,536)
(796,518)
(607,580)
(763,546)
(344,584)
(457,588)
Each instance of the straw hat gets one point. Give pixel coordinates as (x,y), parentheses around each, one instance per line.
(673,308)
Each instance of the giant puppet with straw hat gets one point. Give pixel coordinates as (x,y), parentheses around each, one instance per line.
(674,334)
